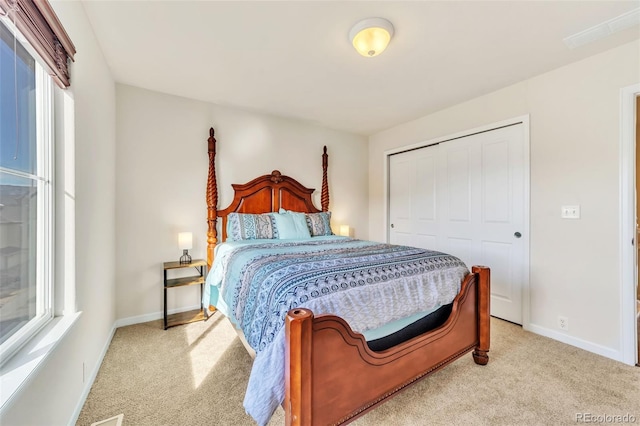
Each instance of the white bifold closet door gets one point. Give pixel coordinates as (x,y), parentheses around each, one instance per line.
(466,197)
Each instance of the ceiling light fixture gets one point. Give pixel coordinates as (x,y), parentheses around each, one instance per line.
(371,36)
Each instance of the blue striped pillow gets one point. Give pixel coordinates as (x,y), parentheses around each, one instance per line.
(245,226)
(319,224)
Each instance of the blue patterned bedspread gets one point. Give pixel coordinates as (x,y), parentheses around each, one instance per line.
(256,282)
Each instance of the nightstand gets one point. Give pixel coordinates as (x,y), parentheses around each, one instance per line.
(200,266)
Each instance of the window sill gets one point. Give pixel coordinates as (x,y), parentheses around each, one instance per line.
(23,366)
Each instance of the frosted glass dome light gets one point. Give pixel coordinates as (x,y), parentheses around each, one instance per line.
(371,36)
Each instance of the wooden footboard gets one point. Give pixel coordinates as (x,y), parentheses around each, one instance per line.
(332,377)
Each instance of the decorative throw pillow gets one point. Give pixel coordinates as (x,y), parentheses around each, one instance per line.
(319,223)
(244,226)
(291,225)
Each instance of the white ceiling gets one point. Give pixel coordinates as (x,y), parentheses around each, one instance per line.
(293,59)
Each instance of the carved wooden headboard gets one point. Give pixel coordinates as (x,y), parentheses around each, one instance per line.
(266,193)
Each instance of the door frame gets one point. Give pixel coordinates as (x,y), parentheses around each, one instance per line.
(524,120)
(628,267)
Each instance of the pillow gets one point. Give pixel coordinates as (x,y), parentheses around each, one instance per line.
(244,226)
(319,223)
(291,225)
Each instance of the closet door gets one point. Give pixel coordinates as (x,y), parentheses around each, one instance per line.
(466,197)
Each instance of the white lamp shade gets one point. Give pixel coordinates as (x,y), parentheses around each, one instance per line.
(371,36)
(185,240)
(345,230)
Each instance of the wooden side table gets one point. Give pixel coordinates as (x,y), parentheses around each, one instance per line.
(198,279)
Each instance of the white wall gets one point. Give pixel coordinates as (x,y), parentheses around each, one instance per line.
(574,113)
(52,397)
(162,167)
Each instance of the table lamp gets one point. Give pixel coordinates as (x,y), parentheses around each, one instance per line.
(185,242)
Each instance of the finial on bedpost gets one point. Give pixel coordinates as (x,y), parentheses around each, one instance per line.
(324,200)
(212,200)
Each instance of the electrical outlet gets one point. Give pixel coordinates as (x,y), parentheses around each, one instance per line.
(563,323)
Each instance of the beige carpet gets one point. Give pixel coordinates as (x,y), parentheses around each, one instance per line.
(197,374)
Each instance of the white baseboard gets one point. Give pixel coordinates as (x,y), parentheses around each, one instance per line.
(123,322)
(92,377)
(574,341)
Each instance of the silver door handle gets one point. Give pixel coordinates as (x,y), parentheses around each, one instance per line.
(517,235)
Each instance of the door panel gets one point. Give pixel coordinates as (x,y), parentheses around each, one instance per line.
(495,181)
(403,170)
(459,185)
(462,247)
(497,253)
(503,217)
(425,190)
(413,206)
(424,196)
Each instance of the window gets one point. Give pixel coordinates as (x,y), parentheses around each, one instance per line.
(34,53)
(26,195)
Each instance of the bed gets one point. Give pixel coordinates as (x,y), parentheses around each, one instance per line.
(316,366)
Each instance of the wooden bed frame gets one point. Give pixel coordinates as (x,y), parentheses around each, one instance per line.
(332,377)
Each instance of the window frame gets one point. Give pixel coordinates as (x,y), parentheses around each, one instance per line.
(45,204)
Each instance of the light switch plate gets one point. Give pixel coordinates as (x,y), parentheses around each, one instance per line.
(570,212)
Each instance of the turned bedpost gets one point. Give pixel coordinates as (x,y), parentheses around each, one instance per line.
(212,200)
(484,310)
(324,200)
(297,402)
